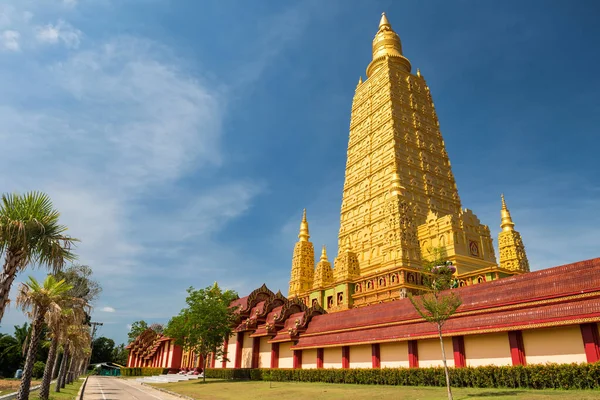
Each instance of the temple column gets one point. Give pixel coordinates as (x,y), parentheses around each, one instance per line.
(274,355)
(346,357)
(297,359)
(239,343)
(591,341)
(375,355)
(129,359)
(320,358)
(255,352)
(225,346)
(413,354)
(458,344)
(517,349)
(213,359)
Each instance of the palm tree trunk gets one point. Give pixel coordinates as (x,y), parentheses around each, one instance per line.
(70,371)
(31,353)
(52,356)
(55,367)
(445,364)
(60,381)
(11,264)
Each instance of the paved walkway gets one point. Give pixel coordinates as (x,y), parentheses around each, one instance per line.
(109,388)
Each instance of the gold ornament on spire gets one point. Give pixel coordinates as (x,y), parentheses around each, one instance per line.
(323,254)
(507,223)
(303,235)
(396,188)
(387,44)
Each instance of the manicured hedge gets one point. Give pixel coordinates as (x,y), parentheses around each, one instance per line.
(143,371)
(549,376)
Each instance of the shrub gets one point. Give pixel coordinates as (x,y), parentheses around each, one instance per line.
(143,371)
(549,376)
(38,369)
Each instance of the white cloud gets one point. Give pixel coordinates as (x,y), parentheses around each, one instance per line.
(9,40)
(70,3)
(61,31)
(108,309)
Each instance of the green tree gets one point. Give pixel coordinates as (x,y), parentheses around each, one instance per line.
(36,300)
(439,303)
(137,328)
(205,322)
(102,350)
(30,234)
(120,354)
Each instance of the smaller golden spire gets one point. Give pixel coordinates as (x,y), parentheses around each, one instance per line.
(507,223)
(418,72)
(360,79)
(323,254)
(384,21)
(303,235)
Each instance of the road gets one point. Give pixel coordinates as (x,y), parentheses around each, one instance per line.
(109,388)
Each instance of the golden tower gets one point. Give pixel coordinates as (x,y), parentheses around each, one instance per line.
(510,244)
(400,199)
(323,273)
(303,262)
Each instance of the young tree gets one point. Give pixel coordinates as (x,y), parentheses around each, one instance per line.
(205,322)
(120,354)
(36,300)
(30,234)
(439,303)
(137,328)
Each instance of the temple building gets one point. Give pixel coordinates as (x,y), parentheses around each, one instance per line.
(400,201)
(400,205)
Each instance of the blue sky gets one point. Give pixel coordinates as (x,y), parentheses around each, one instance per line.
(181,140)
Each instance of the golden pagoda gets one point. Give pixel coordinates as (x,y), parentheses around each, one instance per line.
(400,200)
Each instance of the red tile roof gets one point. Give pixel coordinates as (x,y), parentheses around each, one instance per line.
(559,295)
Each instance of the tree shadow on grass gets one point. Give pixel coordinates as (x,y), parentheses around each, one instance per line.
(495,393)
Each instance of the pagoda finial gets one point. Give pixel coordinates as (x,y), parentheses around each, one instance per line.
(360,79)
(323,254)
(507,223)
(303,235)
(418,72)
(387,44)
(384,21)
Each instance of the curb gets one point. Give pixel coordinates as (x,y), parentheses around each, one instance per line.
(10,396)
(183,396)
(82,389)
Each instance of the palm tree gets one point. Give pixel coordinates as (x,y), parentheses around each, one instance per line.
(36,300)
(30,233)
(57,321)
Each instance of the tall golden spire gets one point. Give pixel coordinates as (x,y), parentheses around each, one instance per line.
(510,244)
(303,235)
(507,223)
(387,44)
(303,262)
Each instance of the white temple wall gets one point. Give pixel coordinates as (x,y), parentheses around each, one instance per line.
(561,345)
(361,356)
(309,358)
(393,355)
(332,357)
(264,353)
(247,350)
(231,351)
(430,353)
(488,349)
(286,355)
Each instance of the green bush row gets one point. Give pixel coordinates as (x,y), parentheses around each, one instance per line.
(143,371)
(549,376)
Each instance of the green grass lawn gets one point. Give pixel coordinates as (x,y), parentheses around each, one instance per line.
(226,390)
(69,392)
